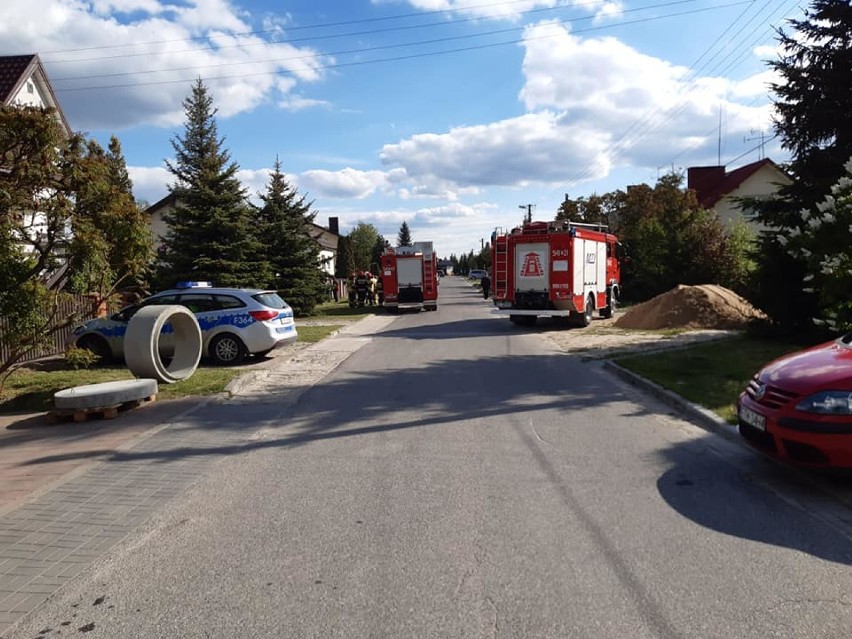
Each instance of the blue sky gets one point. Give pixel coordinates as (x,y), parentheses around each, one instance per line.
(447,114)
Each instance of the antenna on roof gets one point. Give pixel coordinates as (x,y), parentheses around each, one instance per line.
(762,138)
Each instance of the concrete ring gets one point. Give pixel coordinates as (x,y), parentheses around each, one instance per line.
(141,343)
(104,394)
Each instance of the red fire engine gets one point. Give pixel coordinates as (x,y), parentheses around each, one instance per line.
(410,277)
(558,269)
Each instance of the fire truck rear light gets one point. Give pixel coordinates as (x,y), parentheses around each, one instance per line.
(263,316)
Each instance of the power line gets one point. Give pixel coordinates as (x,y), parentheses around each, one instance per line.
(645,126)
(365,49)
(405,57)
(441,23)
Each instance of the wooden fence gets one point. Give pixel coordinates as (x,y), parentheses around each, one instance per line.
(82,305)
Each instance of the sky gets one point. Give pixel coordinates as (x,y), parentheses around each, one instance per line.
(451,115)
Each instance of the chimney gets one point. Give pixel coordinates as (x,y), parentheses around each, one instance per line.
(334,225)
(704,178)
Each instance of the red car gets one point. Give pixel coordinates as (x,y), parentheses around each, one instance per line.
(799,407)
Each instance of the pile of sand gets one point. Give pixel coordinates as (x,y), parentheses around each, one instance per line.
(704,306)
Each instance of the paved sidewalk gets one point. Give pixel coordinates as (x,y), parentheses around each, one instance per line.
(81,508)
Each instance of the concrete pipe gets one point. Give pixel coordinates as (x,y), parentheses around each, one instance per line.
(141,343)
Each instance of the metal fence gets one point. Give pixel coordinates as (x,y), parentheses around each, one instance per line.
(82,305)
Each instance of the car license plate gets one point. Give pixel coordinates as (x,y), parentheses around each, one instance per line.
(752,418)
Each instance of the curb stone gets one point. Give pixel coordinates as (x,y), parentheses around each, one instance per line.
(707,419)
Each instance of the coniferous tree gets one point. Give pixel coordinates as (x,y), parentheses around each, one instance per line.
(403,238)
(813,103)
(379,249)
(209,236)
(283,225)
(111,245)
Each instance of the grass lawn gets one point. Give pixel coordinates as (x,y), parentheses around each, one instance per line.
(711,374)
(32,388)
(311,334)
(340,310)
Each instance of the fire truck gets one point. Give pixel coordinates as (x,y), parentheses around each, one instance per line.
(556,269)
(410,277)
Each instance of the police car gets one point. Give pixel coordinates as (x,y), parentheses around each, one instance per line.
(235,322)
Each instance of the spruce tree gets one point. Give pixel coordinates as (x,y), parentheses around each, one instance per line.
(403,238)
(813,103)
(283,224)
(209,236)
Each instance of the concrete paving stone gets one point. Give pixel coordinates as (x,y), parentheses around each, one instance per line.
(36,587)
(22,570)
(16,553)
(6,621)
(13,602)
(28,604)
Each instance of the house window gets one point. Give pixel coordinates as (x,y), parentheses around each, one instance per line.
(30,87)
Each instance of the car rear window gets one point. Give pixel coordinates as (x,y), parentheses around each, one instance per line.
(272,300)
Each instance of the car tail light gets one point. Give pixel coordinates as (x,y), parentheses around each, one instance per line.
(263,316)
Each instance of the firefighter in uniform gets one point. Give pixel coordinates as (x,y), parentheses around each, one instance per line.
(352,293)
(380,291)
(362,285)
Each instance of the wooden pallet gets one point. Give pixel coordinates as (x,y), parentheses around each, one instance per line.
(97,412)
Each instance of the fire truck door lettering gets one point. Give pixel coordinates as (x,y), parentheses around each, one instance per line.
(560,253)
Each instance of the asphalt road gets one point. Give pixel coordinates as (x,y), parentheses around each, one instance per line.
(458,477)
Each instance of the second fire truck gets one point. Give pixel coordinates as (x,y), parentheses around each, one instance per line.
(410,277)
(557,269)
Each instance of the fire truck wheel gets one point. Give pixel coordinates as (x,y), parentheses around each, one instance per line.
(586,318)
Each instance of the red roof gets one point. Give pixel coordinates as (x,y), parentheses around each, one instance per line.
(12,71)
(710,191)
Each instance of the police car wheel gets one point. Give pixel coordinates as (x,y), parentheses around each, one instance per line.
(227,349)
(96,345)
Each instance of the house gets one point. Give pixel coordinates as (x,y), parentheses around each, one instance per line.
(24,82)
(326,238)
(718,189)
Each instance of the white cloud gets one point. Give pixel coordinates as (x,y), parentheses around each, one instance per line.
(300,103)
(346,183)
(513,10)
(533,148)
(594,104)
(150,184)
(110,74)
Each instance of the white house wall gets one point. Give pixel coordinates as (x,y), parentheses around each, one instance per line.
(761,184)
(29,95)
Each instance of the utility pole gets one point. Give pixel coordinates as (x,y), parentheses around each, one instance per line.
(528,208)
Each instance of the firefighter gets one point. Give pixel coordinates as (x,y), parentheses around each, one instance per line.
(362,285)
(353,294)
(380,291)
(371,289)
(486,285)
